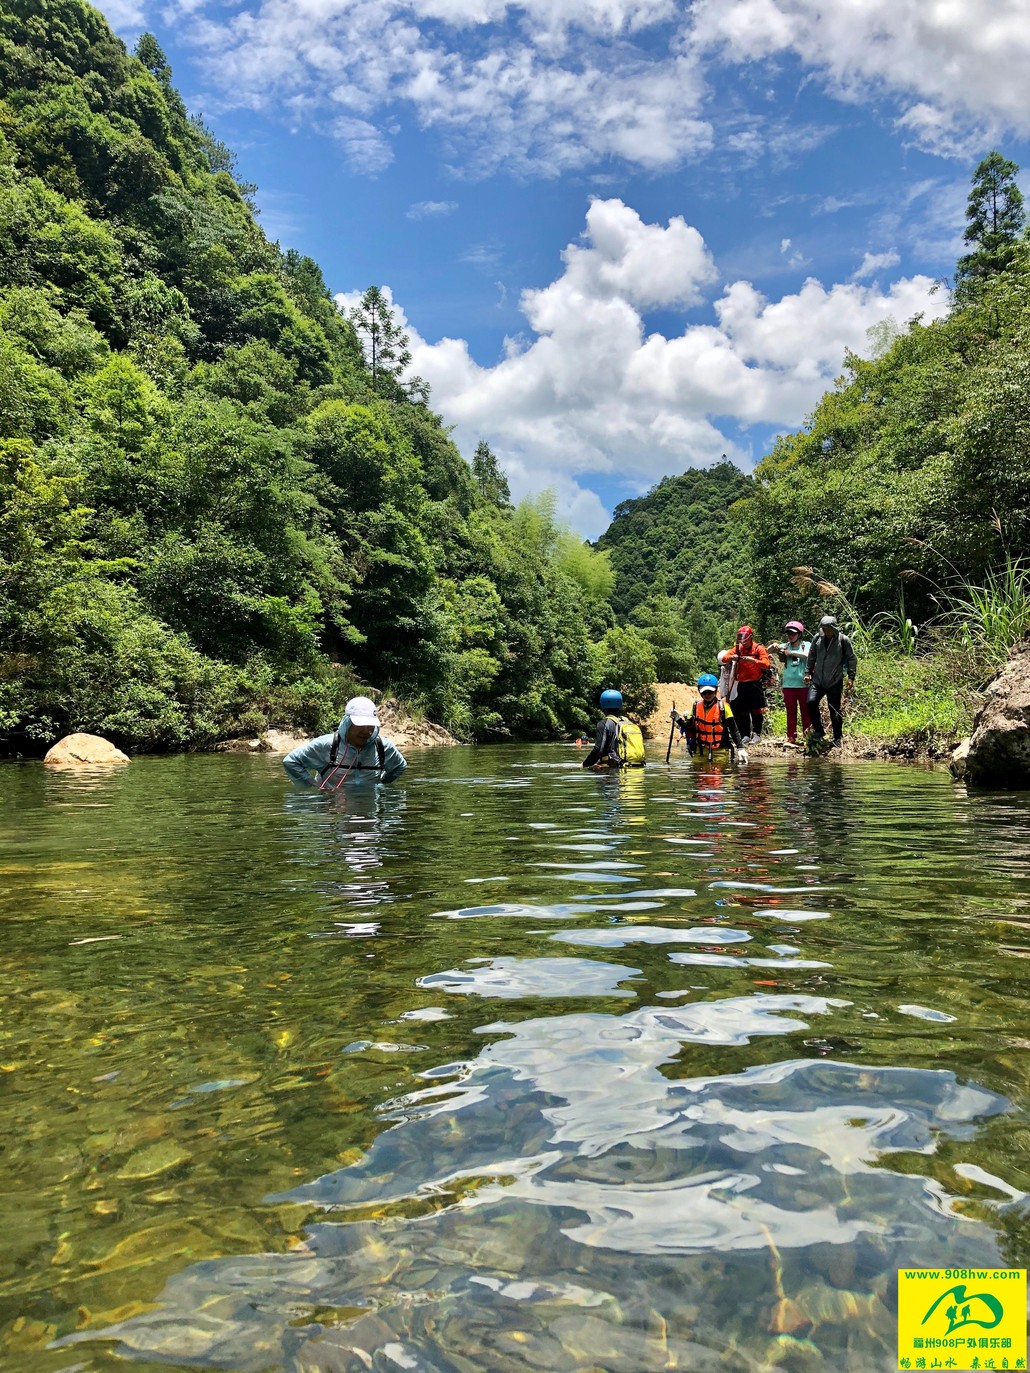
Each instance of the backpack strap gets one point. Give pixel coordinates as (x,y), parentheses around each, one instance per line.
(334,753)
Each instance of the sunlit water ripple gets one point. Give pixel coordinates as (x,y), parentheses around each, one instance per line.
(514,1067)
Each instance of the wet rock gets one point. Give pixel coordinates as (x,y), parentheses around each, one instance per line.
(256,745)
(84,750)
(397,726)
(957,762)
(999,746)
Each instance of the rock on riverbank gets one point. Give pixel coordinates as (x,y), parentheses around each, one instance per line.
(997,753)
(84,751)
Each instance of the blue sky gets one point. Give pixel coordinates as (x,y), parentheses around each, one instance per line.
(627,236)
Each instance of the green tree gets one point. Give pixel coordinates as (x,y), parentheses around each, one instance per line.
(385,342)
(489,475)
(994,221)
(660,620)
(625,660)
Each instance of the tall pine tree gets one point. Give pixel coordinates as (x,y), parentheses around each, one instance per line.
(994,222)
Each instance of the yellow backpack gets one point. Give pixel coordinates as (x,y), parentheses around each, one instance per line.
(631,744)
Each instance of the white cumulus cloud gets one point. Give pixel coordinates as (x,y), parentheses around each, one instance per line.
(549,86)
(544,85)
(875,262)
(954,61)
(591,391)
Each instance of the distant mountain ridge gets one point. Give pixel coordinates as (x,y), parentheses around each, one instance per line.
(681,541)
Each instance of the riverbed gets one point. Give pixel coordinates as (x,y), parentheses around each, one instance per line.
(509,1066)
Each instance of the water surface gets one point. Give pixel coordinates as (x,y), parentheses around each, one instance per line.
(511,1066)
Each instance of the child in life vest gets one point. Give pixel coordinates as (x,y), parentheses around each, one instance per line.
(710,724)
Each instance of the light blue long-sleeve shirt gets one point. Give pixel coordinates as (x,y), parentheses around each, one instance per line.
(306,764)
(797,662)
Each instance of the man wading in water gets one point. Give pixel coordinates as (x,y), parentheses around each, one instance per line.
(619,742)
(356,752)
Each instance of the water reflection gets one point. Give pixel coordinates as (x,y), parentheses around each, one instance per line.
(352,829)
(295,1083)
(565,1136)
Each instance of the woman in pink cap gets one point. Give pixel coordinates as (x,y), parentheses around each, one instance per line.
(795,693)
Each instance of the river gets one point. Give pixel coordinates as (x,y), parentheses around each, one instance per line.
(509,1067)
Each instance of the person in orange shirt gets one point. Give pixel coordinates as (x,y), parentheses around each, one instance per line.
(747,662)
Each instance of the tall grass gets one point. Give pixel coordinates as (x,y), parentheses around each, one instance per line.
(991,618)
(888,629)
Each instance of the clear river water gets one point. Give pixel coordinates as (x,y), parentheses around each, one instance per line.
(509,1067)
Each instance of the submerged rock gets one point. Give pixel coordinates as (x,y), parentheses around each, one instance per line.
(84,750)
(998,751)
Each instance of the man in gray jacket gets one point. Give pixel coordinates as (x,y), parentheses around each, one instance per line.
(830,656)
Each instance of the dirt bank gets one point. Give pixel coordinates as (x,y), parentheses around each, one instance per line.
(670,694)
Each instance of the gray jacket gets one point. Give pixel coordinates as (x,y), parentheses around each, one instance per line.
(828,659)
(309,765)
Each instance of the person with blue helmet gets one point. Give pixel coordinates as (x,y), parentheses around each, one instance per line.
(619,742)
(710,724)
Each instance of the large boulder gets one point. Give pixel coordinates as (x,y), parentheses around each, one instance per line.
(84,751)
(999,746)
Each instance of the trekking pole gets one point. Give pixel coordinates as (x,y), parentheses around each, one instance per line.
(672,731)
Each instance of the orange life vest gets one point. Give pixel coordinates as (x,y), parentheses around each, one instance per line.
(710,723)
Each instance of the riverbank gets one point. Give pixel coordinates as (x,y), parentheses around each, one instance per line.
(905,708)
(399,724)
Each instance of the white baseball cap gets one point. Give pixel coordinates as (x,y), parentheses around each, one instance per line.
(361,711)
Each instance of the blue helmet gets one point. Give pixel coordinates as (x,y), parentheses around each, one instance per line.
(611,700)
(707,679)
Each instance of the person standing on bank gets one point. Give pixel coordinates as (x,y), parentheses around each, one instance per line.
(747,662)
(619,742)
(356,752)
(829,658)
(795,693)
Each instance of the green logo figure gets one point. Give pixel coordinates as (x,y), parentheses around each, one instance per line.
(959,1314)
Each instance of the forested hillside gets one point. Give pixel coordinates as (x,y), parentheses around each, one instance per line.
(681,562)
(214,514)
(908,493)
(903,505)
